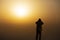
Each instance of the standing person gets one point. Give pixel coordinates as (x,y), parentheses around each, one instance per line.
(39,24)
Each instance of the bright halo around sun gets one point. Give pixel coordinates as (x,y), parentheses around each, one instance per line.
(20,11)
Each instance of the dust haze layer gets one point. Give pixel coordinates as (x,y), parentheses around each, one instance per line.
(25,29)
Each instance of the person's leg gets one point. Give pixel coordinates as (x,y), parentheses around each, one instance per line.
(36,35)
(40,36)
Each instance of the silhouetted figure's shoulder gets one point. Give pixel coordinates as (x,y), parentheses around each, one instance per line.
(39,22)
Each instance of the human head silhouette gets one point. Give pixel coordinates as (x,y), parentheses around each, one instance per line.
(39,20)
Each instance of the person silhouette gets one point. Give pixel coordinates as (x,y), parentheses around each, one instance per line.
(39,24)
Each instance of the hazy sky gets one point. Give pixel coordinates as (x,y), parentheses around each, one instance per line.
(24,28)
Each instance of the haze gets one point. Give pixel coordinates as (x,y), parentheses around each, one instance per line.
(24,27)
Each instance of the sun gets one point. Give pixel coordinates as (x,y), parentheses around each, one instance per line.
(20,11)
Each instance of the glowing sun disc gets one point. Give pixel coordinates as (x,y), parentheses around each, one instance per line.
(20,11)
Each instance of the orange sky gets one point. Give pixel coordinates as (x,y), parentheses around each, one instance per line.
(46,10)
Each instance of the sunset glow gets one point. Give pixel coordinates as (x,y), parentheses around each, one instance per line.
(18,19)
(20,11)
